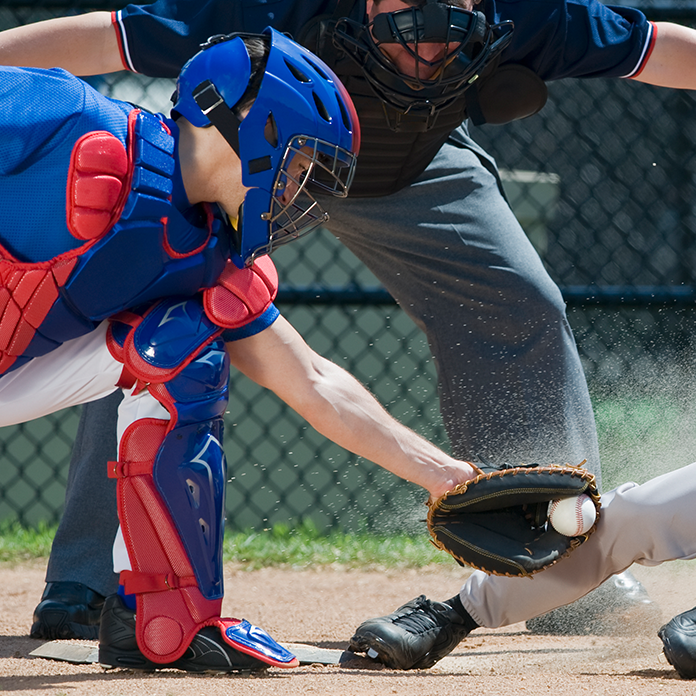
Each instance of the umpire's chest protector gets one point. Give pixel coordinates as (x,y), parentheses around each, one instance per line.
(128,243)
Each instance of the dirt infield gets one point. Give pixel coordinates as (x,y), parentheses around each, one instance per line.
(323,607)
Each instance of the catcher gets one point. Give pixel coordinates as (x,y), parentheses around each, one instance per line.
(134,207)
(426,211)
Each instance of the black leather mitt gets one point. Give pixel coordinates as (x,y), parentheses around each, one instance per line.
(498,522)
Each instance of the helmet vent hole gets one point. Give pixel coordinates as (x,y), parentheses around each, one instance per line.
(270,131)
(297,73)
(317,68)
(321,108)
(344,115)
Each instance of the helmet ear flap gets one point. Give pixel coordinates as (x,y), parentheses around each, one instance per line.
(223,62)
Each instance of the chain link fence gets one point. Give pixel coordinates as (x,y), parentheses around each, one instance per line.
(603,182)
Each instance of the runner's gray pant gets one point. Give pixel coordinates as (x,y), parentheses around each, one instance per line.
(647,524)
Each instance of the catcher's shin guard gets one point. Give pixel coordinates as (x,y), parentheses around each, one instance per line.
(171,483)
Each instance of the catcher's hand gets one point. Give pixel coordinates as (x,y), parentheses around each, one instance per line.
(498,521)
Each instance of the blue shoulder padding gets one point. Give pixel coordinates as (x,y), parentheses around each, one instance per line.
(173,331)
(151,131)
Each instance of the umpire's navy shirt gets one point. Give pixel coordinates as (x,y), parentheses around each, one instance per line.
(554,38)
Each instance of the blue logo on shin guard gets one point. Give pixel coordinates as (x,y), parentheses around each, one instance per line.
(249,636)
(190,473)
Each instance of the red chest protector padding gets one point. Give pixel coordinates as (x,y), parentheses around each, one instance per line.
(98,184)
(27,293)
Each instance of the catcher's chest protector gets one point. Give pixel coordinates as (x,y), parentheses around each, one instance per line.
(171,482)
(135,245)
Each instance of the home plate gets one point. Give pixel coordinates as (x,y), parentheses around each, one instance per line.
(79,653)
(67,651)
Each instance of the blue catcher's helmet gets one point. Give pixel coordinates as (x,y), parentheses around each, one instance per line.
(300,133)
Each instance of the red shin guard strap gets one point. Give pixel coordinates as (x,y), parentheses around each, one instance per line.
(139,583)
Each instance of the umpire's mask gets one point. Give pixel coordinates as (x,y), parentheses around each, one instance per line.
(471,43)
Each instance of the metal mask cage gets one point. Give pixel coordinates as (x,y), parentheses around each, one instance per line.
(461,31)
(330,169)
(471,43)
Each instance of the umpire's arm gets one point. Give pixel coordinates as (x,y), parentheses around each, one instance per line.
(84,44)
(340,408)
(672,62)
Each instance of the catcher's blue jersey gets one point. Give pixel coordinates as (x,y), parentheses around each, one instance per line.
(94,216)
(43,114)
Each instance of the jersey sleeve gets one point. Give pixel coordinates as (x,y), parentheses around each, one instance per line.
(252,328)
(40,108)
(577,38)
(157,39)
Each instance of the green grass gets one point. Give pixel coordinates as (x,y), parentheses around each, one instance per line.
(19,543)
(640,437)
(303,547)
(306,548)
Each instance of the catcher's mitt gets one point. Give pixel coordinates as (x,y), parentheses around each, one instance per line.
(498,521)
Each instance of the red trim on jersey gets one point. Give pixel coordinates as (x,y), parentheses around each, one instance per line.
(648,53)
(119,40)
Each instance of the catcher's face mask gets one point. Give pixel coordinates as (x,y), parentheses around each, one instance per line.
(422,57)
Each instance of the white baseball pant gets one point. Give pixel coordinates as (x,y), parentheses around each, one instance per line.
(79,371)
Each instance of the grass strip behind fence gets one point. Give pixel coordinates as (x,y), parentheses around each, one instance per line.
(303,547)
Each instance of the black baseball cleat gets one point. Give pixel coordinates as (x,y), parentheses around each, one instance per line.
(618,606)
(208,652)
(67,610)
(415,636)
(678,638)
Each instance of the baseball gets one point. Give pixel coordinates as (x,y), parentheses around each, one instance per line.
(572,516)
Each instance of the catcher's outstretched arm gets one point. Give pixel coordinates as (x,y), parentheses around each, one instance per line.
(340,408)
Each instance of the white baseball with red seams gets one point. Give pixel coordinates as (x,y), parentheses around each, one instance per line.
(572,516)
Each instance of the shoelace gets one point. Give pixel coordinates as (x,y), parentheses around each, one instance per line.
(422,618)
